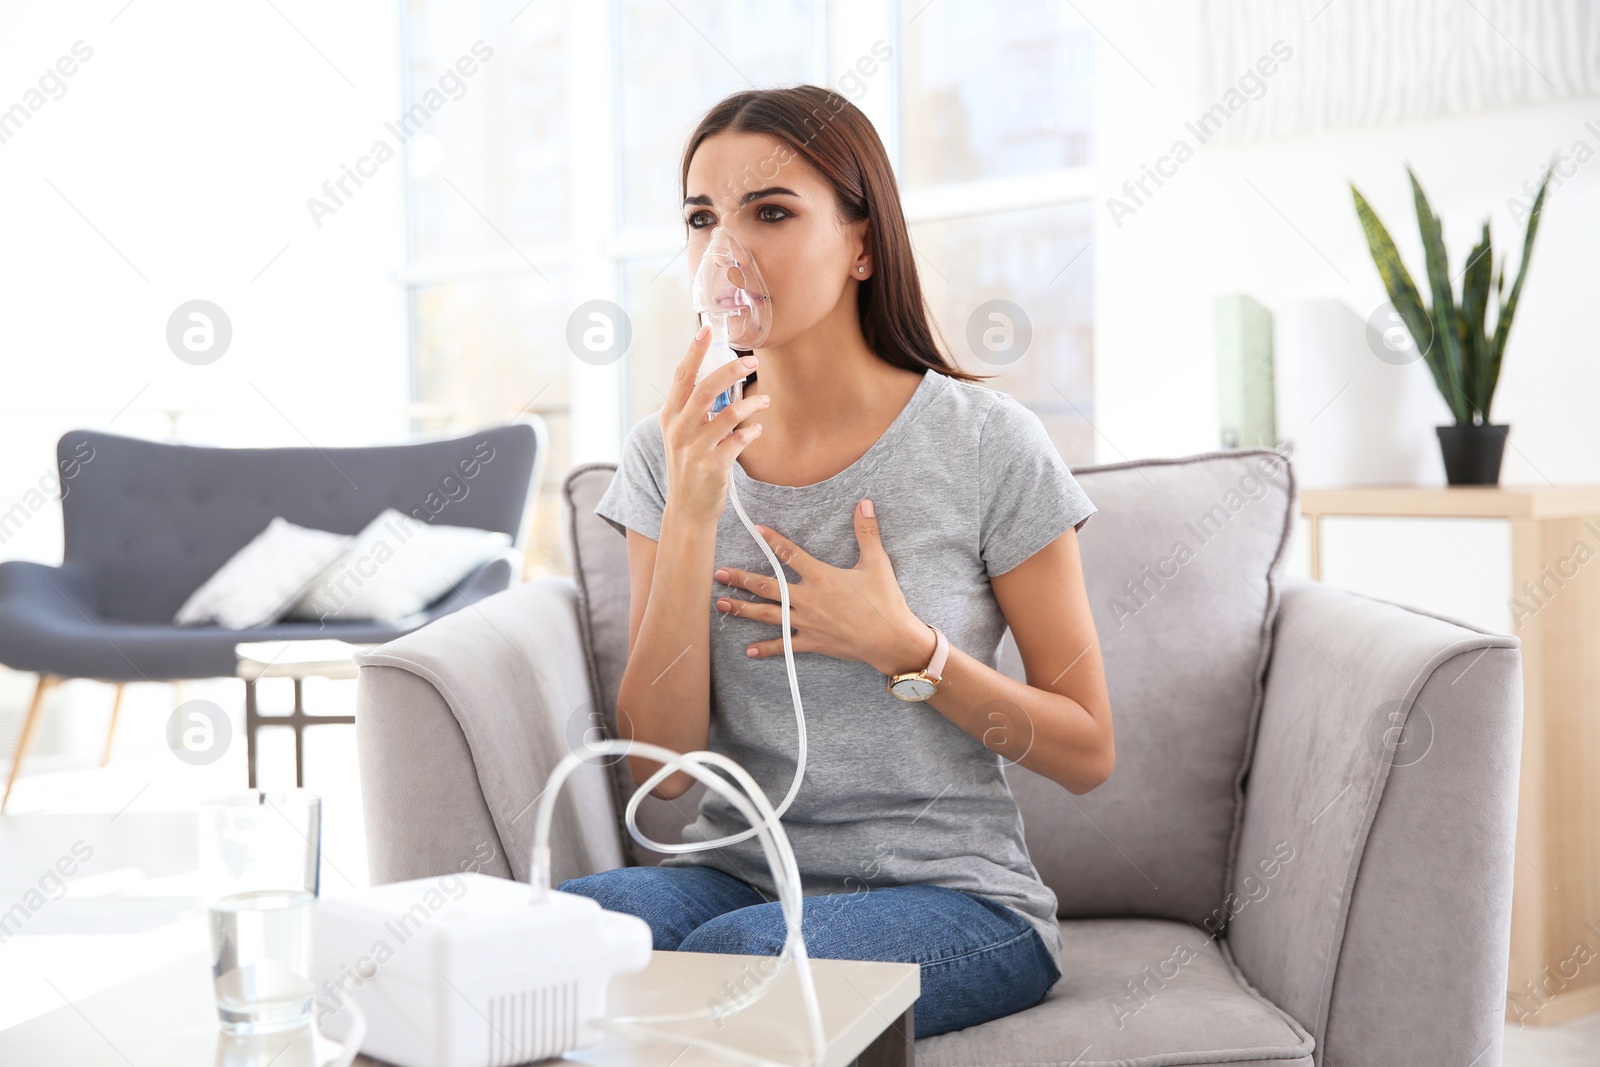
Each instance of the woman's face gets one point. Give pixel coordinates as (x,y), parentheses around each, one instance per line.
(786,214)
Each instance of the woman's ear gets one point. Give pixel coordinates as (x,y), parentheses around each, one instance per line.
(861,269)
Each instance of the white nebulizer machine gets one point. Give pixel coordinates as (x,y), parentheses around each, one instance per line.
(502,973)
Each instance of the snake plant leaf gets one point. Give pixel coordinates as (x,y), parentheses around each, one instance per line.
(1502,326)
(1445,315)
(1475,284)
(1461,353)
(1402,290)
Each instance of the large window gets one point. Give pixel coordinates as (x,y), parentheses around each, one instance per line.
(543,185)
(994,90)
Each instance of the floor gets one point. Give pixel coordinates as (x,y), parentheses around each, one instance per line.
(128,831)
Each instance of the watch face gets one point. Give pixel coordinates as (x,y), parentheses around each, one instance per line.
(913,689)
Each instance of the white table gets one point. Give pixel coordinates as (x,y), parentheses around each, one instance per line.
(298,660)
(169,1017)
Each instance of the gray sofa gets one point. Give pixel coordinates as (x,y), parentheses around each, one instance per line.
(1304,855)
(146,523)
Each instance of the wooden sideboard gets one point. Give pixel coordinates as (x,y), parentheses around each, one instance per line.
(1554,603)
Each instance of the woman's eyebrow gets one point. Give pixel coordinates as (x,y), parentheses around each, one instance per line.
(755,194)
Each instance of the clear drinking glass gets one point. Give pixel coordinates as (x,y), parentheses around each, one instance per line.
(259,876)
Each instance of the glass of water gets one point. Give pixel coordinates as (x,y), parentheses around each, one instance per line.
(259,875)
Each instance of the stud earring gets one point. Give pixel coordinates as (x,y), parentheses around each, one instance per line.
(861,270)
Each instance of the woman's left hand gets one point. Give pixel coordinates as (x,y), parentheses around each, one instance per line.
(858,614)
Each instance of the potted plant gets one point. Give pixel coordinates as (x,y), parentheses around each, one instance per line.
(1462,350)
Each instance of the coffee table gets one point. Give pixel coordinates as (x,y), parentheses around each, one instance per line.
(321,658)
(169,1017)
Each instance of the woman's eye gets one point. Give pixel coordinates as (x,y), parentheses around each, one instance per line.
(699,220)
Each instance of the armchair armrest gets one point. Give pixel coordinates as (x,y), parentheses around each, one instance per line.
(458,725)
(1387,760)
(63,589)
(43,609)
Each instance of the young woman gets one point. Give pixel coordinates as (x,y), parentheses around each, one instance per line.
(918,515)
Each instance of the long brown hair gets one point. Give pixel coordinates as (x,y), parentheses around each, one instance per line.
(830,133)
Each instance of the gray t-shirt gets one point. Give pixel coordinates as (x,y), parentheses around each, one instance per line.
(965,484)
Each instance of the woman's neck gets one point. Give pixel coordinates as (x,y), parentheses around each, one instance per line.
(832,398)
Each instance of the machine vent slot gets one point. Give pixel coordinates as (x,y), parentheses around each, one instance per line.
(533,1024)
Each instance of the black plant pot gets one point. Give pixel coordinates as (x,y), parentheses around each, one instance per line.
(1472,453)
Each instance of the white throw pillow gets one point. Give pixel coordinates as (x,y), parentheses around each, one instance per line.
(396,567)
(264,577)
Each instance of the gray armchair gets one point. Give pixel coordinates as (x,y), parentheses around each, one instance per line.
(146,523)
(1303,857)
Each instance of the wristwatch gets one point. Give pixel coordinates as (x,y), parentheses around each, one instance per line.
(920,685)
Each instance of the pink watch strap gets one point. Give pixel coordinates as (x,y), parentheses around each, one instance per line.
(941,652)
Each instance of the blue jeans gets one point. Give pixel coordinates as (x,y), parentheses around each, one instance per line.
(980,960)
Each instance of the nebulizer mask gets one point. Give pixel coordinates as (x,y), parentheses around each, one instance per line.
(731,298)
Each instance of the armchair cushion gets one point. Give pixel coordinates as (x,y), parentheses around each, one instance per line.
(1182,565)
(1135,991)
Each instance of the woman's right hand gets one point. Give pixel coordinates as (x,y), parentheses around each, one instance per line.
(700,452)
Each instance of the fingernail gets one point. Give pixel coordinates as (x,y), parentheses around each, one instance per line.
(702,333)
(721,575)
(866,508)
(748,361)
(751,651)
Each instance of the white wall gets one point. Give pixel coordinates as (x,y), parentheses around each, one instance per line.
(191,140)
(1274,219)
